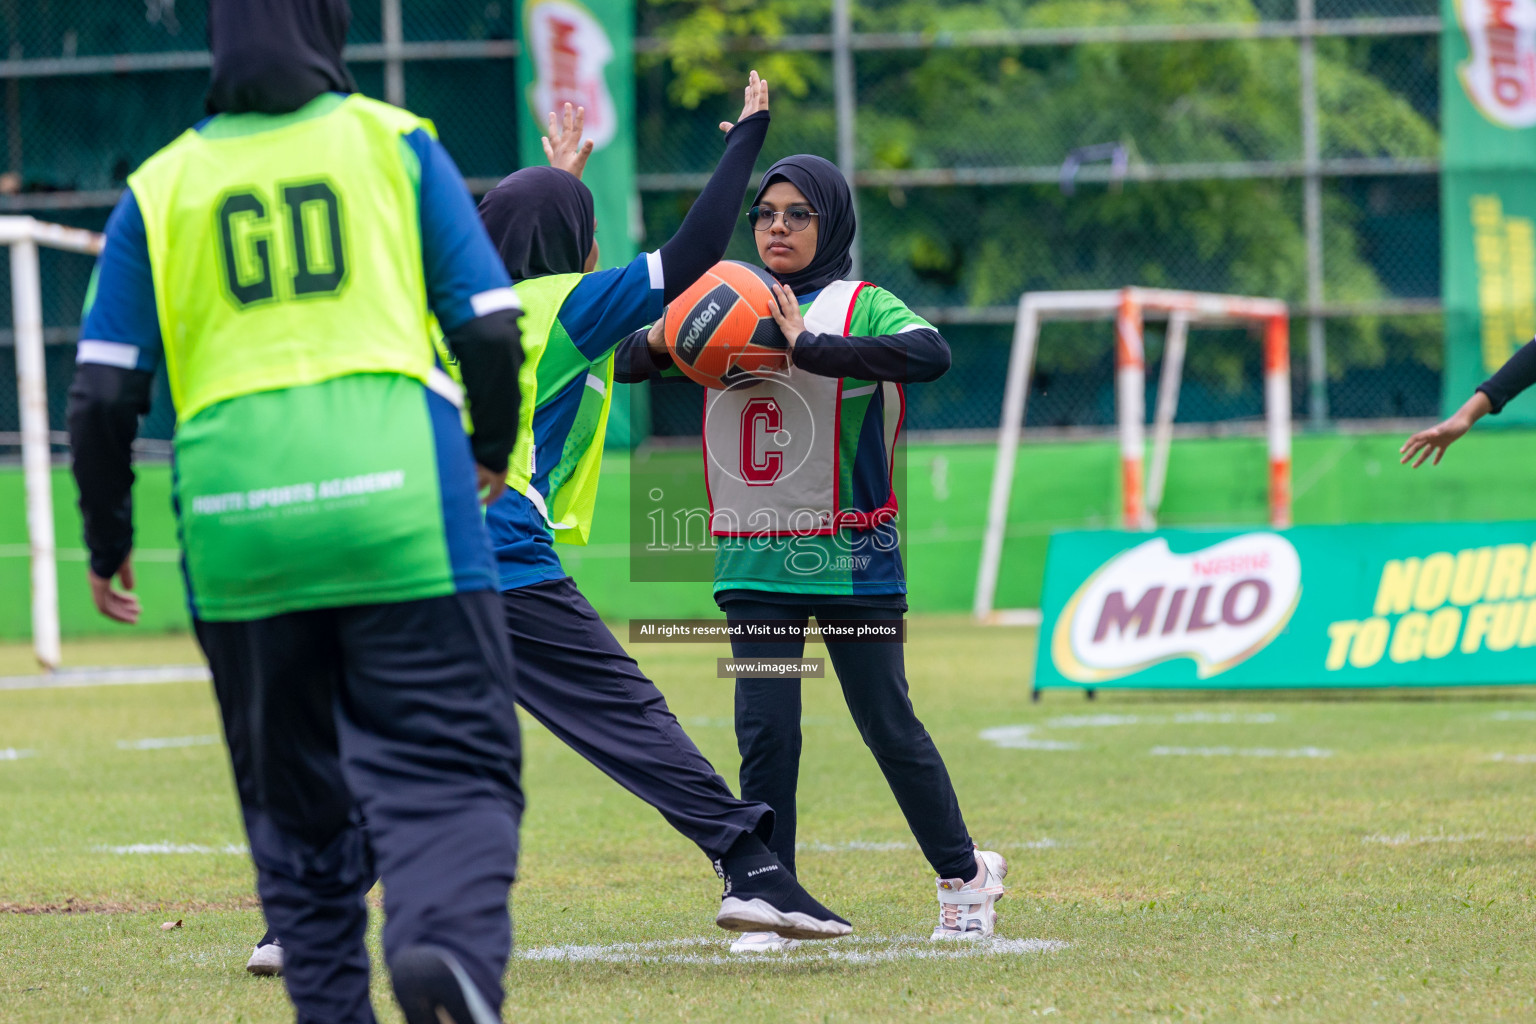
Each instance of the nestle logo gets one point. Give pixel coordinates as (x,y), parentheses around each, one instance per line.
(1499,74)
(1217,607)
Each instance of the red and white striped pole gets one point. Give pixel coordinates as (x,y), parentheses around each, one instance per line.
(1277,410)
(1130,401)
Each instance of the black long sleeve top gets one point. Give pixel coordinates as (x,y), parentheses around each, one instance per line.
(1512,378)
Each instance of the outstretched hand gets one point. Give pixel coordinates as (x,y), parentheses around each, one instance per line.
(563,145)
(755,98)
(1433,441)
(1441,436)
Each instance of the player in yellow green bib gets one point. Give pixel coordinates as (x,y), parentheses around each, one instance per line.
(284,260)
(803,515)
(573,676)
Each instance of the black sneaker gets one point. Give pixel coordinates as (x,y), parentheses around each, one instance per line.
(761,896)
(433,989)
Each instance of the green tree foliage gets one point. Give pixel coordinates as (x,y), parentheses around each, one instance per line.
(994,107)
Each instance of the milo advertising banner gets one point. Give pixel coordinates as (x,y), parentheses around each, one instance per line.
(1315,606)
(582,53)
(1488,191)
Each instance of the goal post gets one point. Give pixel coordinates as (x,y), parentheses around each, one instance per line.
(1129,309)
(23,236)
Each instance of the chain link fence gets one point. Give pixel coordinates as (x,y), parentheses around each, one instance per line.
(1283,148)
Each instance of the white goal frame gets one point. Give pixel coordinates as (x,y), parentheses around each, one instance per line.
(23,235)
(1141,496)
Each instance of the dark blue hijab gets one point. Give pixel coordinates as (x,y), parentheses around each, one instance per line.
(823,184)
(274,56)
(541,222)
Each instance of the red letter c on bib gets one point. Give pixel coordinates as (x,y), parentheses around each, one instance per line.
(760,416)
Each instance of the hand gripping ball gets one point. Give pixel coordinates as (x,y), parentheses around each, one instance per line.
(719,331)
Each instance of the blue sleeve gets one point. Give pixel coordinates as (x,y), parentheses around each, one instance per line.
(610,304)
(122,325)
(465,276)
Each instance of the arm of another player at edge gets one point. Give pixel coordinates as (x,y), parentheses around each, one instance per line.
(1517,374)
(636,359)
(473,300)
(116,359)
(907,349)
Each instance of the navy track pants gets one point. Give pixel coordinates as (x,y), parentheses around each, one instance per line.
(400,713)
(874,682)
(578,681)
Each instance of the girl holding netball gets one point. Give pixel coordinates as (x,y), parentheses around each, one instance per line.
(799,468)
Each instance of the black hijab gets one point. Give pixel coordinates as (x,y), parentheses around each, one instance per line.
(540,219)
(274,56)
(825,187)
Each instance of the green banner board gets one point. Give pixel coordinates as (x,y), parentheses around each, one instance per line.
(582,53)
(1487,191)
(1445,604)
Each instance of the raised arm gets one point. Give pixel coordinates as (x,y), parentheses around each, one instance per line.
(609,304)
(701,240)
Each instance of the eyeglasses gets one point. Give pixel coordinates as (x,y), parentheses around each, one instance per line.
(796,218)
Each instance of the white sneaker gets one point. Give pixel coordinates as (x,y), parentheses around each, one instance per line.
(267,960)
(966,908)
(762,942)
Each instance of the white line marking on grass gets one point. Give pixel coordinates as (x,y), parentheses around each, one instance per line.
(1513,758)
(1020,737)
(878,950)
(167,742)
(1405,839)
(1186,718)
(140,555)
(138,848)
(108,677)
(1094,721)
(1513,716)
(1239,752)
(12,754)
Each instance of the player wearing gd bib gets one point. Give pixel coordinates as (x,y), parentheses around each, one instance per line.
(799,472)
(283,259)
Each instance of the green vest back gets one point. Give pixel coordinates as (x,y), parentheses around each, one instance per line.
(270,270)
(551,361)
(287,265)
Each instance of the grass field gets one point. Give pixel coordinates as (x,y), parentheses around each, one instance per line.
(1270,858)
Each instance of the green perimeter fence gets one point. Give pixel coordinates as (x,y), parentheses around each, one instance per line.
(1276,147)
(1339,478)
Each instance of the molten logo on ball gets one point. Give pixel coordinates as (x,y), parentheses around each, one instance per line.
(1218,607)
(720,331)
